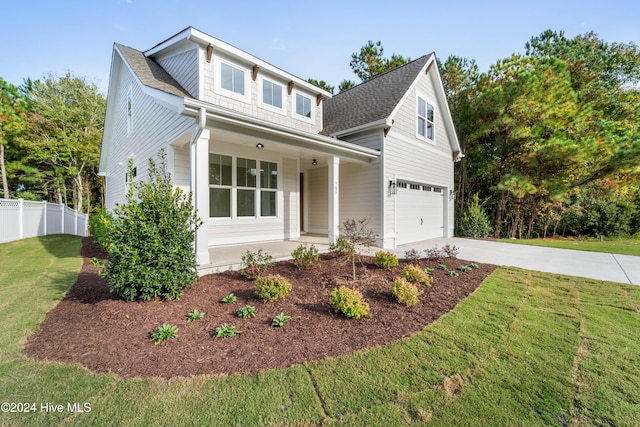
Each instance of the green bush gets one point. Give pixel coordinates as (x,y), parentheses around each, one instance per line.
(475,222)
(271,288)
(255,264)
(349,302)
(405,292)
(306,257)
(415,274)
(342,247)
(99,222)
(386,259)
(150,239)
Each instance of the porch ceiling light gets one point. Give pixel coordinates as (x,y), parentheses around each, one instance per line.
(259,145)
(314,162)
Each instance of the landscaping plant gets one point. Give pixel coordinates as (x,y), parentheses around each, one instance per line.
(195,315)
(342,247)
(99,222)
(452,273)
(306,256)
(412,256)
(443,267)
(246,312)
(229,299)
(226,331)
(435,254)
(386,260)
(359,237)
(464,268)
(405,292)
(255,264)
(150,239)
(164,332)
(415,274)
(450,251)
(280,320)
(349,302)
(271,288)
(475,222)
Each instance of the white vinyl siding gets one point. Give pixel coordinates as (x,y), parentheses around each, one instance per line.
(317,194)
(183,67)
(360,194)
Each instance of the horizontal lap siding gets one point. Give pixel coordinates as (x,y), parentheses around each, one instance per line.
(181,175)
(184,69)
(151,124)
(360,194)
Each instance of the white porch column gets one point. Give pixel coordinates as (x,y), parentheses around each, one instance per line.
(334,199)
(200,180)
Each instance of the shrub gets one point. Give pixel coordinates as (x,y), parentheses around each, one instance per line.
(405,292)
(450,251)
(349,302)
(226,331)
(246,312)
(359,236)
(255,264)
(195,315)
(415,274)
(475,222)
(230,299)
(306,256)
(150,239)
(271,288)
(99,223)
(342,247)
(435,254)
(280,320)
(386,260)
(412,256)
(164,332)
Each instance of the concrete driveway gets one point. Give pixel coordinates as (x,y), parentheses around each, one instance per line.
(593,265)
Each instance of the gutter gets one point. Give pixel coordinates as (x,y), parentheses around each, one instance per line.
(378,124)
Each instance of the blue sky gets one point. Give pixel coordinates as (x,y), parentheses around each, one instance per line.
(306,38)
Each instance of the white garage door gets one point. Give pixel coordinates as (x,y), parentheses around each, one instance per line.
(419,212)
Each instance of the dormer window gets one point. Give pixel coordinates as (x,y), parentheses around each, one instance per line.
(232,78)
(303,106)
(272,94)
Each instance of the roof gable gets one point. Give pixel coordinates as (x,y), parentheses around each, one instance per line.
(371,101)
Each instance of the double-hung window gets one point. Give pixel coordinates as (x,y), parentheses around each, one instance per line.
(236,191)
(426,119)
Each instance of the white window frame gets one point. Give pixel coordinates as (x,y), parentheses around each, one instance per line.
(217,80)
(263,104)
(234,187)
(428,103)
(294,107)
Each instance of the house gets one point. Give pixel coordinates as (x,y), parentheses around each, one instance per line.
(268,156)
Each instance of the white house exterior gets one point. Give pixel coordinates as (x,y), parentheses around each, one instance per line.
(269,156)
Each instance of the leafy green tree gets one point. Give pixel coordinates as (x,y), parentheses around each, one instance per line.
(150,239)
(64,135)
(369,62)
(13,110)
(322,85)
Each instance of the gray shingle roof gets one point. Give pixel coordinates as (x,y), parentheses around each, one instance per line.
(151,73)
(372,100)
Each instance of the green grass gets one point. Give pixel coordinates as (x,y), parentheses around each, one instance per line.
(614,246)
(526,348)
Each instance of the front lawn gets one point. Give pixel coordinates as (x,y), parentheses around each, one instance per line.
(615,246)
(526,348)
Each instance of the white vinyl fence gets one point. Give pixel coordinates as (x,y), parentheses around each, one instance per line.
(20,219)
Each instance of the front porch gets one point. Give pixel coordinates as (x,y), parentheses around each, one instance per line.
(228,257)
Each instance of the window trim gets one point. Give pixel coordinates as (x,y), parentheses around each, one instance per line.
(281,110)
(257,190)
(418,117)
(294,107)
(217,80)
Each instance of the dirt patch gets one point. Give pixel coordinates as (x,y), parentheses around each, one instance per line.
(106,334)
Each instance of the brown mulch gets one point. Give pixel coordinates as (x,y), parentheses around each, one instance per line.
(106,334)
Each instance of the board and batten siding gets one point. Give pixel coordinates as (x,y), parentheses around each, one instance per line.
(180,173)
(183,67)
(408,158)
(150,124)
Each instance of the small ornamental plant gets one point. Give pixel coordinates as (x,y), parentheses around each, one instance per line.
(271,288)
(429,270)
(452,273)
(349,302)
(386,260)
(443,267)
(280,320)
(412,256)
(464,268)
(342,247)
(246,312)
(255,264)
(305,257)
(195,315)
(415,274)
(229,299)
(474,265)
(164,332)
(226,331)
(405,292)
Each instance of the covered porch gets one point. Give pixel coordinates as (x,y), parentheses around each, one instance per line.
(256,184)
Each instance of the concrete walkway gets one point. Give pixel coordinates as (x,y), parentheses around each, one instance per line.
(593,265)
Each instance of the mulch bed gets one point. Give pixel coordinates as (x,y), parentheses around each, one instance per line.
(106,334)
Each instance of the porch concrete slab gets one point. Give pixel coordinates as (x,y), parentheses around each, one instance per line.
(594,265)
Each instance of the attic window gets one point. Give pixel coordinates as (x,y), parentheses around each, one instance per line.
(129,111)
(303,106)
(426,119)
(232,78)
